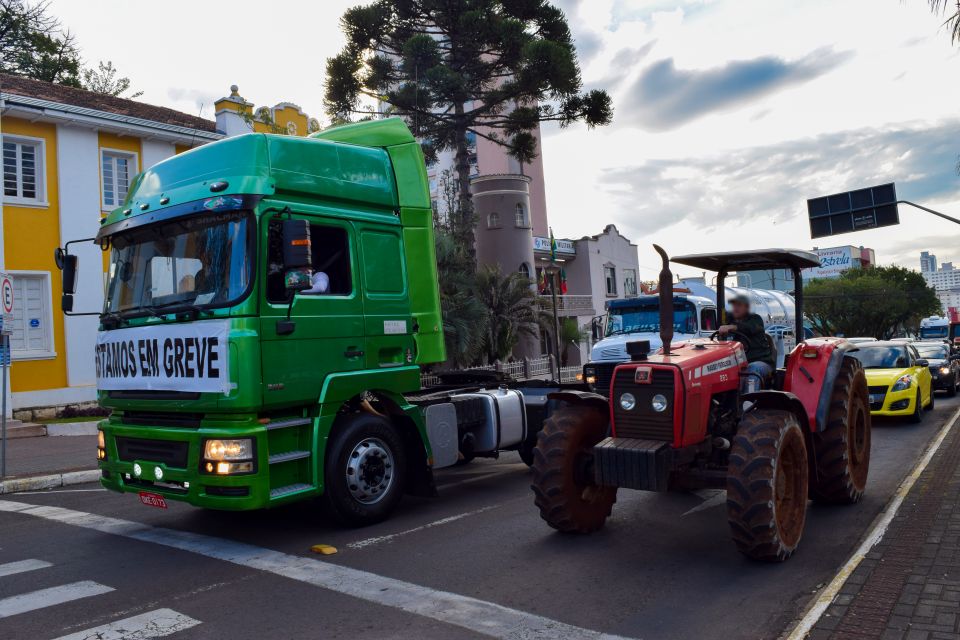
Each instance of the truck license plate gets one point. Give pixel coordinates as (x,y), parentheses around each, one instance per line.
(153,500)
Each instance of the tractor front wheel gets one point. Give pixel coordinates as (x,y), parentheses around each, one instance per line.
(842,449)
(563,485)
(767,485)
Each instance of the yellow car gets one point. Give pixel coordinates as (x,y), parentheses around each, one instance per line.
(898,378)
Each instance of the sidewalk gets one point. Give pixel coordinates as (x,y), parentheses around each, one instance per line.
(44,462)
(908,585)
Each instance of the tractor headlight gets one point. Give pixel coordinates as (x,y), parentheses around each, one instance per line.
(659,403)
(903,383)
(217,450)
(628,402)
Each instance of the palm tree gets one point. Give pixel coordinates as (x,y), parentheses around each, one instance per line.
(571,335)
(465,318)
(512,304)
(952,9)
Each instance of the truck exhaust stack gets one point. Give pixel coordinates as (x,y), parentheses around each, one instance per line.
(665,289)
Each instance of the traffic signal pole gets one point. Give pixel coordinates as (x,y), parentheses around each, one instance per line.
(928,210)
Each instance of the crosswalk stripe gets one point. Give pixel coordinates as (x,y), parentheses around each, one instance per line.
(152,624)
(20,566)
(48,597)
(482,617)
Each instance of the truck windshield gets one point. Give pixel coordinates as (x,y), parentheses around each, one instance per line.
(200,261)
(645,318)
(934,332)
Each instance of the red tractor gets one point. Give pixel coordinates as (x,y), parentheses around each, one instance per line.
(680,420)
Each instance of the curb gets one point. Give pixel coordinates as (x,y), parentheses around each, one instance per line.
(875,533)
(34,483)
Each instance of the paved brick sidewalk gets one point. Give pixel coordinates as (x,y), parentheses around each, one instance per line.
(48,455)
(908,586)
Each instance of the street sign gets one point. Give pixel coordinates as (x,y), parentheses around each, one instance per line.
(6,293)
(851,211)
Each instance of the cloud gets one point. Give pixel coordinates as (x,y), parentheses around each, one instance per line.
(198,97)
(769,185)
(664,97)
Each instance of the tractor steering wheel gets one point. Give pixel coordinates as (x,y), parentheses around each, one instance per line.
(715,336)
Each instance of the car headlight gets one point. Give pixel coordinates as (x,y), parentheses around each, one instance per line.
(902,383)
(628,401)
(240,449)
(659,403)
(945,370)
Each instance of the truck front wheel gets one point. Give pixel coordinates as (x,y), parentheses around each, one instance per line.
(563,485)
(364,470)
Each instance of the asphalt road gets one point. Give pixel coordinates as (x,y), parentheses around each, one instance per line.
(476,562)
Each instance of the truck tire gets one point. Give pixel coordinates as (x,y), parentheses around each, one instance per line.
(767,485)
(842,450)
(563,486)
(526,453)
(364,470)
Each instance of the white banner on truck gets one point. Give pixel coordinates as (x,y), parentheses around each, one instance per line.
(168,357)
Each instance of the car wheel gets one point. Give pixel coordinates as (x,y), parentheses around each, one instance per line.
(917,416)
(952,387)
(932,398)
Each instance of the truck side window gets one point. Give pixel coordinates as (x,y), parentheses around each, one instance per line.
(708,320)
(330,253)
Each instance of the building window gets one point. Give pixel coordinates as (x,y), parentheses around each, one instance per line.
(32,337)
(630,282)
(521,216)
(493,220)
(524,270)
(23,171)
(610,275)
(117,169)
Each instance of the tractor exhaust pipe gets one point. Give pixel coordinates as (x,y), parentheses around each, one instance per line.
(666,301)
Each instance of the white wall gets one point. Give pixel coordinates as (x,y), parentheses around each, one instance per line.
(153,151)
(79,186)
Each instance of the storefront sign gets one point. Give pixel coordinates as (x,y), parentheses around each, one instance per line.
(171,357)
(563,246)
(833,262)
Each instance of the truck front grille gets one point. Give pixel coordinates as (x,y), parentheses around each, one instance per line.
(604,373)
(642,421)
(162,419)
(172,453)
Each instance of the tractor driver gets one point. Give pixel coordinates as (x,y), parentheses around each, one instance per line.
(747,328)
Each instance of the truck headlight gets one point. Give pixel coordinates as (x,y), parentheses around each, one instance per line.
(903,383)
(216,450)
(590,375)
(659,403)
(628,402)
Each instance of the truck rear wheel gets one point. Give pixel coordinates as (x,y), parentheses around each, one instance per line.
(566,494)
(364,470)
(767,485)
(842,449)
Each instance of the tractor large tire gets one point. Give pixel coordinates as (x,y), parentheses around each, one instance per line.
(842,450)
(767,485)
(566,494)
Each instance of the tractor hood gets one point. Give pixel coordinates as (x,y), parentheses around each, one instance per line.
(614,348)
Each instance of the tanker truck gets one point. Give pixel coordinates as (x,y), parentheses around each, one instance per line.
(694,316)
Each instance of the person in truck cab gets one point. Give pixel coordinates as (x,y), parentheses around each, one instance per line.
(747,328)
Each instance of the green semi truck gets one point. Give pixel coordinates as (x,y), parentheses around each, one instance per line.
(270,301)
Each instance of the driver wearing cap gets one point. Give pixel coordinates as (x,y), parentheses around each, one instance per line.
(747,328)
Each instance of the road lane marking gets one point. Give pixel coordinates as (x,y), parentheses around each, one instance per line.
(483,476)
(360,544)
(709,502)
(54,490)
(876,533)
(153,624)
(486,618)
(20,566)
(49,597)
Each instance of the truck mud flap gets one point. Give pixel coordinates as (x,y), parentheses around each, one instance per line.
(632,463)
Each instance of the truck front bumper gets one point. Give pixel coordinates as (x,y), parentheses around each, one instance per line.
(177,453)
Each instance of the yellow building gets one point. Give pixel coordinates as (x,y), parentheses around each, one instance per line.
(68,156)
(236,116)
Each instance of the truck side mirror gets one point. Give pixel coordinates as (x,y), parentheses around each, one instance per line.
(66,302)
(69,265)
(297,254)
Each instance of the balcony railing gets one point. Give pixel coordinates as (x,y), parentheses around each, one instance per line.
(542,368)
(569,304)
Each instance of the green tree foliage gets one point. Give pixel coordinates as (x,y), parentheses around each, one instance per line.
(104,80)
(465,318)
(571,335)
(877,302)
(950,9)
(33,44)
(495,68)
(513,310)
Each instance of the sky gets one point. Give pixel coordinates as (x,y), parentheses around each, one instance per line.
(729,114)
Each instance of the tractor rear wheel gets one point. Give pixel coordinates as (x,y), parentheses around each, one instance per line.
(563,484)
(767,485)
(842,450)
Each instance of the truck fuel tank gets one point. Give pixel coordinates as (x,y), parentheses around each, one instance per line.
(495,417)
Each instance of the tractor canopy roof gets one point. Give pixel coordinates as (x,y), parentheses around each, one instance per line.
(751,260)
